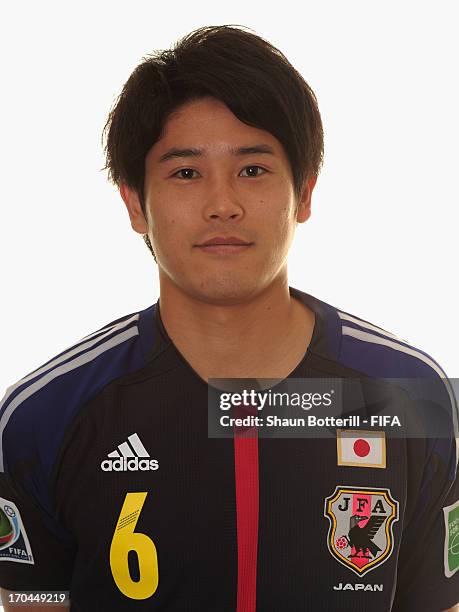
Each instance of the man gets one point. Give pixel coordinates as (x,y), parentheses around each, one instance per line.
(112,487)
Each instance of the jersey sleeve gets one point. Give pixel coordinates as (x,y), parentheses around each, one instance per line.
(32,555)
(428,575)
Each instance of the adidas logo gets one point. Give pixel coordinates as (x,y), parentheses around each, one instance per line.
(130,457)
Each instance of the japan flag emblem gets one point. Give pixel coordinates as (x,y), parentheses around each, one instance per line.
(358,448)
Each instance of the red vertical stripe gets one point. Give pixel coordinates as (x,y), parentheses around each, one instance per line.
(246,472)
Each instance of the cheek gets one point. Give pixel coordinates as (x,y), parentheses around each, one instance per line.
(284,230)
(280,203)
(164,229)
(171,230)
(283,220)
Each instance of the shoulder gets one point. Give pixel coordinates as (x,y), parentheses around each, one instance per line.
(365,346)
(36,410)
(380,352)
(366,349)
(373,351)
(376,352)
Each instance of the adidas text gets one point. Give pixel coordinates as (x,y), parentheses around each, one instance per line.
(124,464)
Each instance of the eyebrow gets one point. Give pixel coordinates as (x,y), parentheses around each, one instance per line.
(194,152)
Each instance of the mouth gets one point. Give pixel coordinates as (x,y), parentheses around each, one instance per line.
(224,245)
(224,249)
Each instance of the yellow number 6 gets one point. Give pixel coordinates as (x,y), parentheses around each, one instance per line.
(124,540)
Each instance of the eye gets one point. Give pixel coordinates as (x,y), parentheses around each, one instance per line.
(251,168)
(188,171)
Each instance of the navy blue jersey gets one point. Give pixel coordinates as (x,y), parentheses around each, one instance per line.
(112,489)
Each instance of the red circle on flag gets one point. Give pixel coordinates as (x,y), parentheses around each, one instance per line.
(361,448)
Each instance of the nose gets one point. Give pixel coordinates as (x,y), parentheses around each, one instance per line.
(222,202)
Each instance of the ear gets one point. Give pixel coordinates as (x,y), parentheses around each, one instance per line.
(304,204)
(134,208)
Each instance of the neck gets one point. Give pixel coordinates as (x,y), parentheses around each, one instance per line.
(264,336)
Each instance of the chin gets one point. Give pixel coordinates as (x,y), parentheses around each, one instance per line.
(226,288)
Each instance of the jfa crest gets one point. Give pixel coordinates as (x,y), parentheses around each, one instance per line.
(360,534)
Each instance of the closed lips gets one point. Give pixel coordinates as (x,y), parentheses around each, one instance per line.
(220,240)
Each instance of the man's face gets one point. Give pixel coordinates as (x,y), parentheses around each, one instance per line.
(218,192)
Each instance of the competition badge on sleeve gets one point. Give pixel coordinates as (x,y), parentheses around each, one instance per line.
(451,516)
(360,533)
(14,544)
